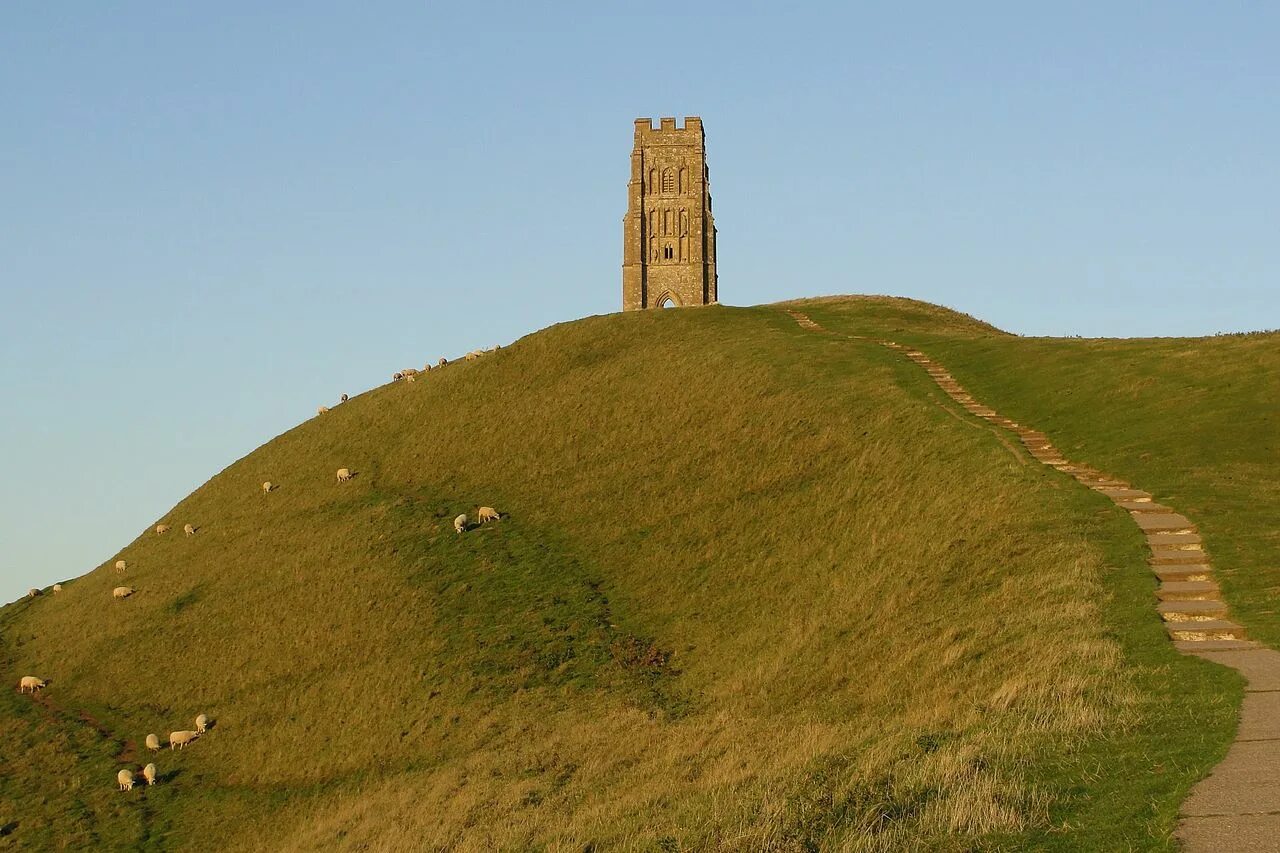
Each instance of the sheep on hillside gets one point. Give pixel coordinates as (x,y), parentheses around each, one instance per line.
(460,523)
(320,410)
(122,592)
(153,742)
(32,683)
(472,356)
(121,565)
(344,474)
(442,362)
(397,376)
(487,513)
(409,371)
(411,378)
(149,773)
(188,529)
(161,529)
(57,587)
(33,592)
(202,723)
(125,779)
(344,398)
(267,487)
(181,739)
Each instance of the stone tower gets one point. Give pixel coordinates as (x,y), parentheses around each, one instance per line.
(668,235)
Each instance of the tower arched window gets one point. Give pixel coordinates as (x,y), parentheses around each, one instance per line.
(668,252)
(668,181)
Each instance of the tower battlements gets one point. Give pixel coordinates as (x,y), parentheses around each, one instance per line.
(668,234)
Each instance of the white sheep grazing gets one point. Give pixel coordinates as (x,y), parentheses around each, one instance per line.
(181,739)
(344,474)
(472,356)
(202,723)
(442,362)
(188,529)
(153,742)
(344,398)
(122,592)
(411,378)
(460,523)
(267,487)
(161,529)
(57,587)
(125,778)
(149,773)
(30,682)
(487,513)
(409,371)
(121,565)
(320,410)
(33,592)
(397,376)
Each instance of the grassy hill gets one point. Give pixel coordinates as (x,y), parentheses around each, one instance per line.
(756,588)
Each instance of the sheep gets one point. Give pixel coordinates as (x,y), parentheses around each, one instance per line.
(344,398)
(487,513)
(153,742)
(267,487)
(57,587)
(472,356)
(202,723)
(32,683)
(33,592)
(125,778)
(442,362)
(121,565)
(410,378)
(188,529)
(320,410)
(408,371)
(397,376)
(149,773)
(162,529)
(460,523)
(122,592)
(344,474)
(181,739)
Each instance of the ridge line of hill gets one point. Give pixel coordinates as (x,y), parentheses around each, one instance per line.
(1228,809)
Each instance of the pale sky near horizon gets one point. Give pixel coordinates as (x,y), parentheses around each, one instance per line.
(215,217)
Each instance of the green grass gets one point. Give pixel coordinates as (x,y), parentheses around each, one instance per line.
(757,588)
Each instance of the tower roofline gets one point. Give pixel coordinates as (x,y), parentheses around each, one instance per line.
(667,124)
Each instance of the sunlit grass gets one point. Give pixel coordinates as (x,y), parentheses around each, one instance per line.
(756,589)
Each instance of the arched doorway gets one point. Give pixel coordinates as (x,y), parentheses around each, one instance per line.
(667,300)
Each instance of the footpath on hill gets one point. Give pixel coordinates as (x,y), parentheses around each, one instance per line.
(1237,807)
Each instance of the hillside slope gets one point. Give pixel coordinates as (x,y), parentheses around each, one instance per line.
(755,588)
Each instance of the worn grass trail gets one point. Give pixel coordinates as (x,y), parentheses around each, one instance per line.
(755,589)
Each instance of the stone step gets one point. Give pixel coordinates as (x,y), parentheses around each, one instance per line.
(1180,574)
(1215,645)
(1163,522)
(1125,494)
(1191,611)
(1146,505)
(1175,556)
(1104,483)
(1200,631)
(1175,540)
(1201,590)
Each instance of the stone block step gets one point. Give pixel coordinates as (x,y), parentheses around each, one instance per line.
(1199,631)
(1104,483)
(1215,645)
(1179,540)
(1200,590)
(1163,522)
(1147,505)
(1126,494)
(1176,574)
(1175,557)
(1191,611)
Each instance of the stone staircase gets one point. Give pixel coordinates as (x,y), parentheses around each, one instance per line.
(1236,809)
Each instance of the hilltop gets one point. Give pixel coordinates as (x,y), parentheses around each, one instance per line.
(754,588)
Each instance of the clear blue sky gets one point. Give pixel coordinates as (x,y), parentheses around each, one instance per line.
(213,219)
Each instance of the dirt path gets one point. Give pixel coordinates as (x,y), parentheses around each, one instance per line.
(128,752)
(1236,809)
